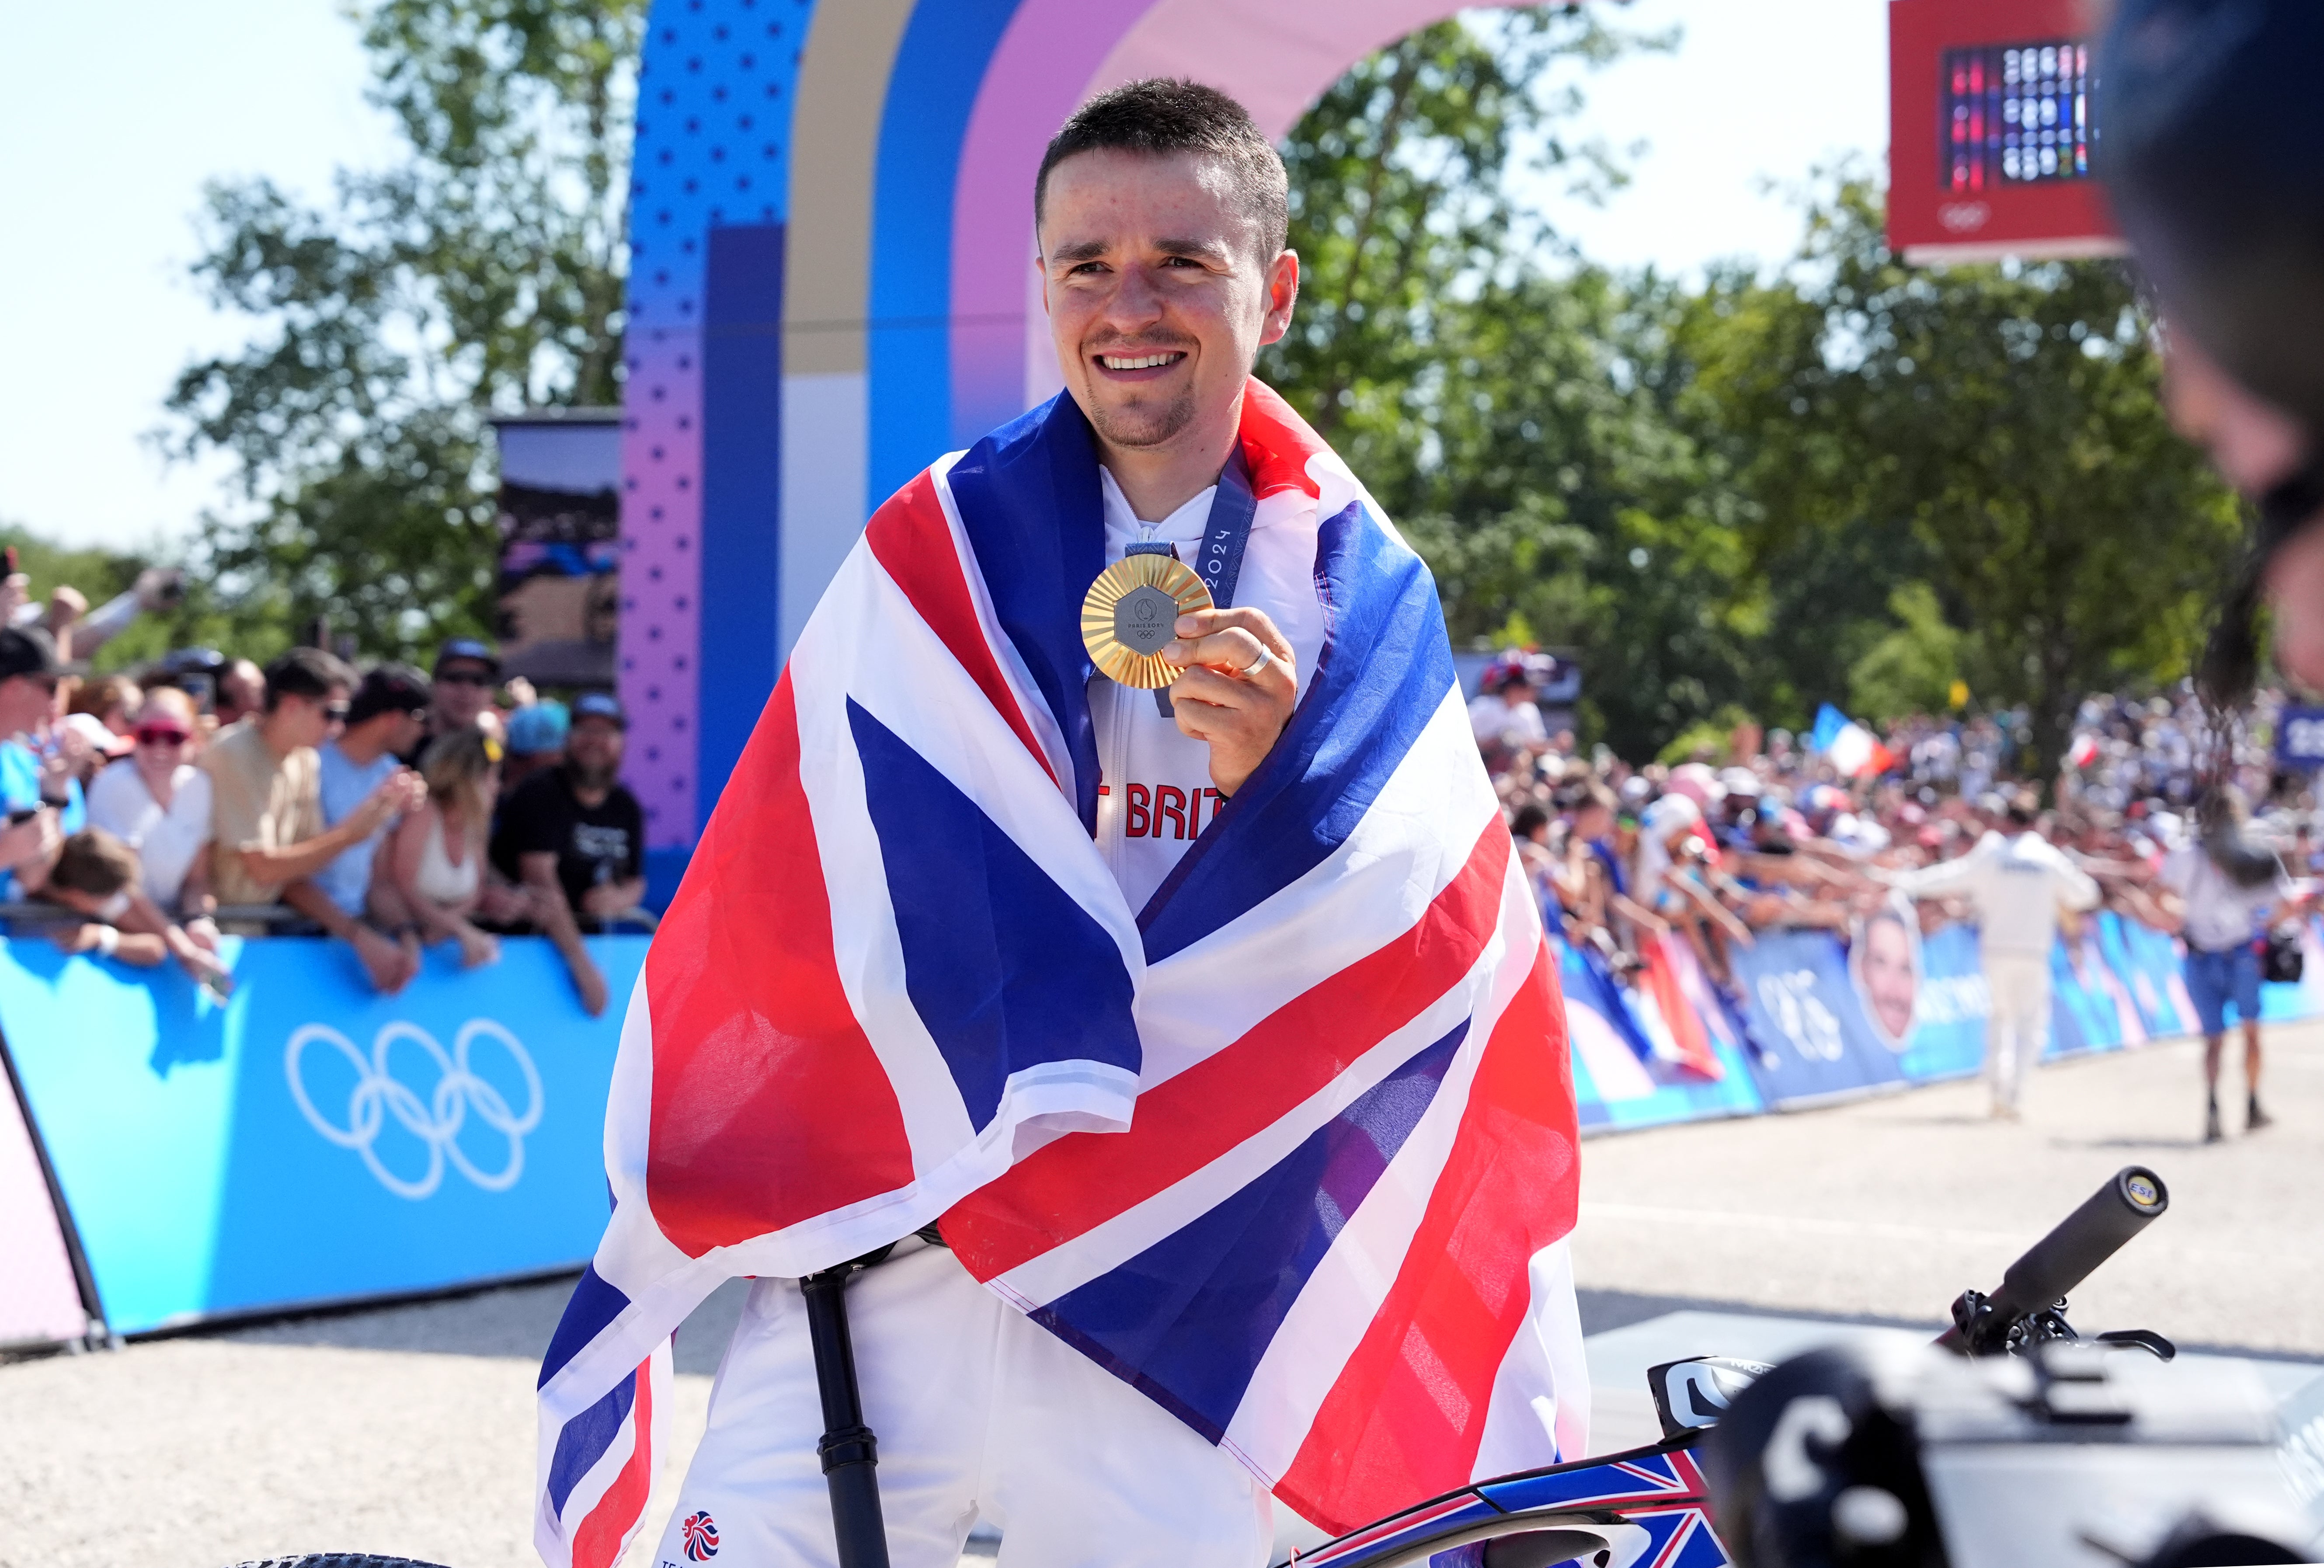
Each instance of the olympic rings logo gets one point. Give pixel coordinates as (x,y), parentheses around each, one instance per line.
(435,1121)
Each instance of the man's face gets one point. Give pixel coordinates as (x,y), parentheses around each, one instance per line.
(1158,301)
(309,721)
(1889,982)
(593,748)
(405,731)
(24,701)
(397,732)
(462,689)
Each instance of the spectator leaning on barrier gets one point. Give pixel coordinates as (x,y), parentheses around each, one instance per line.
(267,813)
(158,803)
(2017,882)
(96,877)
(2229,889)
(435,858)
(574,836)
(385,718)
(36,829)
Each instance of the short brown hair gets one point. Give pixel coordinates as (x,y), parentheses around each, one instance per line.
(1159,118)
(94,863)
(96,696)
(308,672)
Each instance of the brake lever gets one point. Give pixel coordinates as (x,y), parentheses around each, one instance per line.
(2143,1338)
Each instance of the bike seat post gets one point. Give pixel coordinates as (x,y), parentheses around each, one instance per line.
(849,1452)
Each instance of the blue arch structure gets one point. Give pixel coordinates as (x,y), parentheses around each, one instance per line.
(831,240)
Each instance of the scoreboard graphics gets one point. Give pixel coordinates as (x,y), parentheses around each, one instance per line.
(1992,137)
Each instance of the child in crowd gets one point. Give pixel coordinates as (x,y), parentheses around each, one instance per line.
(96,877)
(435,858)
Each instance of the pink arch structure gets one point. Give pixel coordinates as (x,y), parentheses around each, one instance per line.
(831,285)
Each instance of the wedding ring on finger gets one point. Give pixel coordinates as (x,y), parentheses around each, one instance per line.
(1251,671)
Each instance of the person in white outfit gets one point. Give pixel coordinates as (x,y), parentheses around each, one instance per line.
(2017,882)
(158,803)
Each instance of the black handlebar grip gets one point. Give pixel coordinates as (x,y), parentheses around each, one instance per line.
(2062,1260)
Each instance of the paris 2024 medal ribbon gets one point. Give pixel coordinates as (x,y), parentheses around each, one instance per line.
(1131,613)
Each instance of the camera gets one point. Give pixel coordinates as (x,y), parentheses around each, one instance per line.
(2074,1453)
(2013,1440)
(2011,1443)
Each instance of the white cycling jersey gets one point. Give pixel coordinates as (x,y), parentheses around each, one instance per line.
(1154,793)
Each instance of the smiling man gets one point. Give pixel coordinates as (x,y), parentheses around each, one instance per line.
(1164,271)
(1111,929)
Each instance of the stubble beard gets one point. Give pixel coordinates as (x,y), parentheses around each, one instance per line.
(1143,425)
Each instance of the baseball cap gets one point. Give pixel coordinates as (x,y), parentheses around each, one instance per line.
(537,727)
(91,728)
(467,647)
(27,651)
(599,704)
(388,688)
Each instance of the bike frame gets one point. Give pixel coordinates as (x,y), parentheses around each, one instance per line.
(1643,1508)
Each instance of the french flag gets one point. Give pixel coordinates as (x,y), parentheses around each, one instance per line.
(1292,1149)
(1848,745)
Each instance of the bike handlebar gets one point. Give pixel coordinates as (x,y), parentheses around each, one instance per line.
(2061,1260)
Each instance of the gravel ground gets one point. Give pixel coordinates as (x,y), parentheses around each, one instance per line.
(410,1430)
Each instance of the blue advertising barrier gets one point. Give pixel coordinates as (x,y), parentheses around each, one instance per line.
(1618,1083)
(2085,1015)
(1949,1009)
(309,1141)
(2300,739)
(1814,1042)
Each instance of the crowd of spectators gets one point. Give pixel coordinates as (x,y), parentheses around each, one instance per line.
(151,814)
(1766,833)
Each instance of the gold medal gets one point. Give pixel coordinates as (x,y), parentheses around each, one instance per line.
(1131,612)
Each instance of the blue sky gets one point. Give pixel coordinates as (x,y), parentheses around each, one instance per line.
(112,118)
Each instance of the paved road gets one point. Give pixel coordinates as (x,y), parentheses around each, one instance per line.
(410,1430)
(1889,1208)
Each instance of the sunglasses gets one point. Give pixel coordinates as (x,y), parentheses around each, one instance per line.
(465,678)
(336,712)
(163,736)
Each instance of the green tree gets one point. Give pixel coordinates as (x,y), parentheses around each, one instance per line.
(1486,384)
(2008,416)
(1401,208)
(1912,669)
(483,273)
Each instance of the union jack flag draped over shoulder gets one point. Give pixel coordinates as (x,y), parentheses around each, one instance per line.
(1292,1149)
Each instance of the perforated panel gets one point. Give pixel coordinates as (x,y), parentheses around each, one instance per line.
(714,148)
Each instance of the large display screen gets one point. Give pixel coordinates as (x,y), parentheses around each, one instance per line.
(2015,114)
(1993,139)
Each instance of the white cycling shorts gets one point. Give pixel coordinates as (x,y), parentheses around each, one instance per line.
(981,1414)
